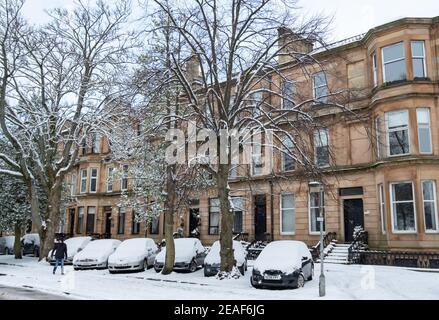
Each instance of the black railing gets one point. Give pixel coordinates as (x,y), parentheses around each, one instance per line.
(398,258)
(360,243)
(327,239)
(97,236)
(242,236)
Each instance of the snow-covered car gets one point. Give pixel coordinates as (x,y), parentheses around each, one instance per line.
(212,262)
(7,245)
(30,244)
(74,245)
(189,255)
(95,254)
(133,254)
(283,264)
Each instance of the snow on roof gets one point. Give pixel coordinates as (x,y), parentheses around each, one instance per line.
(135,245)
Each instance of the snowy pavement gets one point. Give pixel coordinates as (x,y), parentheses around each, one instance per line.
(343,282)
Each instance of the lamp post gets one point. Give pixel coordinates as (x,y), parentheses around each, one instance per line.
(320,219)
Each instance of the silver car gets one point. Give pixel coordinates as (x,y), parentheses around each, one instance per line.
(7,245)
(74,245)
(133,255)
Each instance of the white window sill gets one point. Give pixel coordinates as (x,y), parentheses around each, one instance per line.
(431,231)
(405,232)
(287,233)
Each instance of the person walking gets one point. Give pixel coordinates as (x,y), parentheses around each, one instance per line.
(60,251)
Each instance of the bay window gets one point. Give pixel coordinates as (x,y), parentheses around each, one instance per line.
(403,207)
(394,63)
(418,59)
(93,180)
(287,214)
(424,132)
(382,208)
(430,206)
(83,188)
(110,180)
(375,69)
(214,216)
(320,87)
(398,132)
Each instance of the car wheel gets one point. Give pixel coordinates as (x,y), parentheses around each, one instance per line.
(300,281)
(312,273)
(111,271)
(157,269)
(76,269)
(254,285)
(193,266)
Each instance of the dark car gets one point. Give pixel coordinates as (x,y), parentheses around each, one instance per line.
(212,262)
(189,255)
(283,264)
(30,244)
(7,245)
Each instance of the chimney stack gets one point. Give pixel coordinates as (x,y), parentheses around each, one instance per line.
(291,44)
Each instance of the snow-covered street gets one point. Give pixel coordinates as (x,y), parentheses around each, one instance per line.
(343,282)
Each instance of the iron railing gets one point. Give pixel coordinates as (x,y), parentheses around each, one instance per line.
(398,258)
(327,239)
(360,243)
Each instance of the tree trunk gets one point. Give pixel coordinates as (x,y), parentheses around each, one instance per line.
(17,241)
(169,222)
(226,234)
(47,234)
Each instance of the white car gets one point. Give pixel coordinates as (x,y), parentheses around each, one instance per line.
(189,255)
(95,254)
(7,245)
(212,262)
(133,254)
(74,245)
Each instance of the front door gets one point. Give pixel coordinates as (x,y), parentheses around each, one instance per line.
(72,222)
(194,217)
(108,222)
(260,217)
(353,217)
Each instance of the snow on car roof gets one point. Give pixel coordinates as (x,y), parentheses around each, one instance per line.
(31,237)
(214,254)
(136,244)
(101,244)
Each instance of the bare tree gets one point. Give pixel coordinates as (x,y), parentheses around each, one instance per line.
(241,50)
(72,71)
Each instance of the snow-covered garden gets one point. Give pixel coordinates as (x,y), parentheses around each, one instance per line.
(343,282)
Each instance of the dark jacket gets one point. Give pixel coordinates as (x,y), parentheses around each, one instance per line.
(60,251)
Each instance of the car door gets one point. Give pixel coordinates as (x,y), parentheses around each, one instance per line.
(201,253)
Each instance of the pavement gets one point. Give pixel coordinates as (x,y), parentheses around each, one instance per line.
(26,293)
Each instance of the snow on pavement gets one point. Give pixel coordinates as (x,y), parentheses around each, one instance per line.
(343,282)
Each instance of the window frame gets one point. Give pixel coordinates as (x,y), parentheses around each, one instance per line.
(434,205)
(242,211)
(394,60)
(424,62)
(83,178)
(394,231)
(124,177)
(80,220)
(119,214)
(314,233)
(283,100)
(317,132)
(284,155)
(382,208)
(219,216)
(93,224)
(93,178)
(281,211)
(424,126)
(375,69)
(135,226)
(73,182)
(393,130)
(314,88)
(108,190)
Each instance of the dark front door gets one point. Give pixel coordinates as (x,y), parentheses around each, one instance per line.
(108,221)
(194,217)
(353,217)
(72,222)
(260,217)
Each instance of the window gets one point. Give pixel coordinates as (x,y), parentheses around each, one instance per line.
(214,216)
(320,87)
(256,159)
(80,220)
(321,145)
(73,185)
(96,143)
(418,59)
(84,146)
(375,69)
(314,212)
(393,63)
(382,208)
(398,132)
(288,162)
(121,221)
(379,143)
(403,207)
(256,103)
(93,180)
(83,181)
(288,91)
(135,225)
(124,179)
(110,180)
(287,214)
(238,209)
(430,206)
(424,132)
(155,224)
(90,226)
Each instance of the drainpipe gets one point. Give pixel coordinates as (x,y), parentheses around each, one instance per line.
(271,209)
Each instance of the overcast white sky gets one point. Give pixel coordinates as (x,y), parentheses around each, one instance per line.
(352,17)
